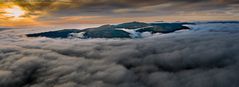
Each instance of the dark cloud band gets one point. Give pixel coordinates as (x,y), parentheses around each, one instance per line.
(100,7)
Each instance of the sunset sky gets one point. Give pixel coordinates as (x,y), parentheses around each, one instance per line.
(64,12)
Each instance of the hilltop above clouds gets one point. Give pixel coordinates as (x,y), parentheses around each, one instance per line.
(125,30)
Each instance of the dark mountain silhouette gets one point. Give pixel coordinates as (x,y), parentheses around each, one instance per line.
(114,31)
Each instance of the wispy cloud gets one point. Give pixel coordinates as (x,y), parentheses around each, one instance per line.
(55,9)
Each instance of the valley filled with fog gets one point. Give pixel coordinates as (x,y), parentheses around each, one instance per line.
(206,55)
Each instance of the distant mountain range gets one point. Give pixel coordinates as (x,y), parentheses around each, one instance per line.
(125,30)
(2,29)
(223,22)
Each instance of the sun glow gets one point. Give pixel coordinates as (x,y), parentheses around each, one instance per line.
(14,12)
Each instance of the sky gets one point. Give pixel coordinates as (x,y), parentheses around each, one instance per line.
(206,55)
(64,12)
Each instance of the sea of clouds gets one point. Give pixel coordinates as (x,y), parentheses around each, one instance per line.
(206,56)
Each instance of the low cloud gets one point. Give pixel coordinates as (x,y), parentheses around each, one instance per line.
(204,57)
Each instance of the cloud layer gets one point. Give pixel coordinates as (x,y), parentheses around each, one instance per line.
(204,57)
(98,11)
(129,7)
